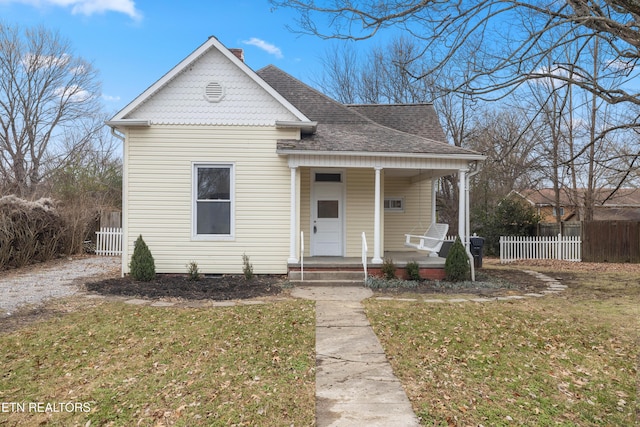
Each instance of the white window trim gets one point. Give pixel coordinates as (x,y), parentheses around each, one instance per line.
(194,200)
(401,199)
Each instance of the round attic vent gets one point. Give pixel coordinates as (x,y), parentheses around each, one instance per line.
(213,92)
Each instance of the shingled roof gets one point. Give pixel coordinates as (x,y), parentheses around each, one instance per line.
(416,119)
(408,129)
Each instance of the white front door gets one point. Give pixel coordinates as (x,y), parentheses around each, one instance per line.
(327,225)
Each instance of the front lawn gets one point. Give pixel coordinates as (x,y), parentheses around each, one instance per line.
(567,359)
(116,364)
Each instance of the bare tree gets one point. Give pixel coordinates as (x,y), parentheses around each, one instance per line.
(511,145)
(386,74)
(48,106)
(510,36)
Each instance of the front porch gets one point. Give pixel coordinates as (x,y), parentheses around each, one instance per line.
(430,267)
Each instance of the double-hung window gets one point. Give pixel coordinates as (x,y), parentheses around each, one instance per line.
(213,200)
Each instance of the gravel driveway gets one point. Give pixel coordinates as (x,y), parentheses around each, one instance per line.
(55,279)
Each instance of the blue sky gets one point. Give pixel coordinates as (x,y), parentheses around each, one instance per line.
(134,42)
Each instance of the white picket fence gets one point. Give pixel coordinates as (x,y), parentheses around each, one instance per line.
(567,248)
(109,241)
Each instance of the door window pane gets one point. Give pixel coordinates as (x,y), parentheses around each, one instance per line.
(328,209)
(328,177)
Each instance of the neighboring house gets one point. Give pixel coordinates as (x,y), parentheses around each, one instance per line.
(221,161)
(623,205)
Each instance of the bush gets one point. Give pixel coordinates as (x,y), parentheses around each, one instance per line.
(142,266)
(193,272)
(247,268)
(388,269)
(379,283)
(511,217)
(30,232)
(457,267)
(413,271)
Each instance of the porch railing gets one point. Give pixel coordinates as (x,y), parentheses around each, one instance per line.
(364,255)
(302,256)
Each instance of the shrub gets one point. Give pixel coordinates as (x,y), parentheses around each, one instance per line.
(388,269)
(379,283)
(247,268)
(29,231)
(457,267)
(511,217)
(192,271)
(413,271)
(143,268)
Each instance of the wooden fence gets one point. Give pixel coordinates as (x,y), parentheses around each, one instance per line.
(566,228)
(567,248)
(611,241)
(109,241)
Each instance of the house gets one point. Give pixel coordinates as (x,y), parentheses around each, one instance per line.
(221,161)
(622,204)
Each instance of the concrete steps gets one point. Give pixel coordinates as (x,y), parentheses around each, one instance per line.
(327,278)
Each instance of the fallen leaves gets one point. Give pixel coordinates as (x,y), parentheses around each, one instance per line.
(491,364)
(178,366)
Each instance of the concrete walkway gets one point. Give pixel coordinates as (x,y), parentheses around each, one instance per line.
(355,385)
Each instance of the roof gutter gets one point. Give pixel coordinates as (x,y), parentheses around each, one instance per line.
(471,157)
(129,123)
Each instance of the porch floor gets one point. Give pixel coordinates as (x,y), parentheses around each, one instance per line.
(399,258)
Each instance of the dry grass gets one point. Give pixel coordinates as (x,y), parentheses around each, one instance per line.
(245,365)
(570,359)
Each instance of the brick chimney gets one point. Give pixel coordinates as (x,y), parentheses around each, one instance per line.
(239,53)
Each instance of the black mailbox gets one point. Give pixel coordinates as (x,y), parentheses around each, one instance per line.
(476,245)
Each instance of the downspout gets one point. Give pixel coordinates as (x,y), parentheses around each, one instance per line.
(477,169)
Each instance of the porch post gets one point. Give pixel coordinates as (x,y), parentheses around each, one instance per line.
(377,233)
(293,259)
(434,190)
(462,217)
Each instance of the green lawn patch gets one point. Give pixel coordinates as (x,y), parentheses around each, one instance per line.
(145,366)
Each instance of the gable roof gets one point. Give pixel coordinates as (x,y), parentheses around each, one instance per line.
(123,116)
(344,128)
(326,125)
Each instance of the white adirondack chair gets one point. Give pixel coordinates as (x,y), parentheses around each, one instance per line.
(431,241)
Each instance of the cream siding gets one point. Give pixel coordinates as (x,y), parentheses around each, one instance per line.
(159,197)
(360,209)
(416,216)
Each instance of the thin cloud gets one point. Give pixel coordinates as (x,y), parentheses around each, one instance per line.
(267,47)
(110,98)
(87,7)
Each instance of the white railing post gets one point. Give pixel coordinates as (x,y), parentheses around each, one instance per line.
(364,255)
(302,256)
